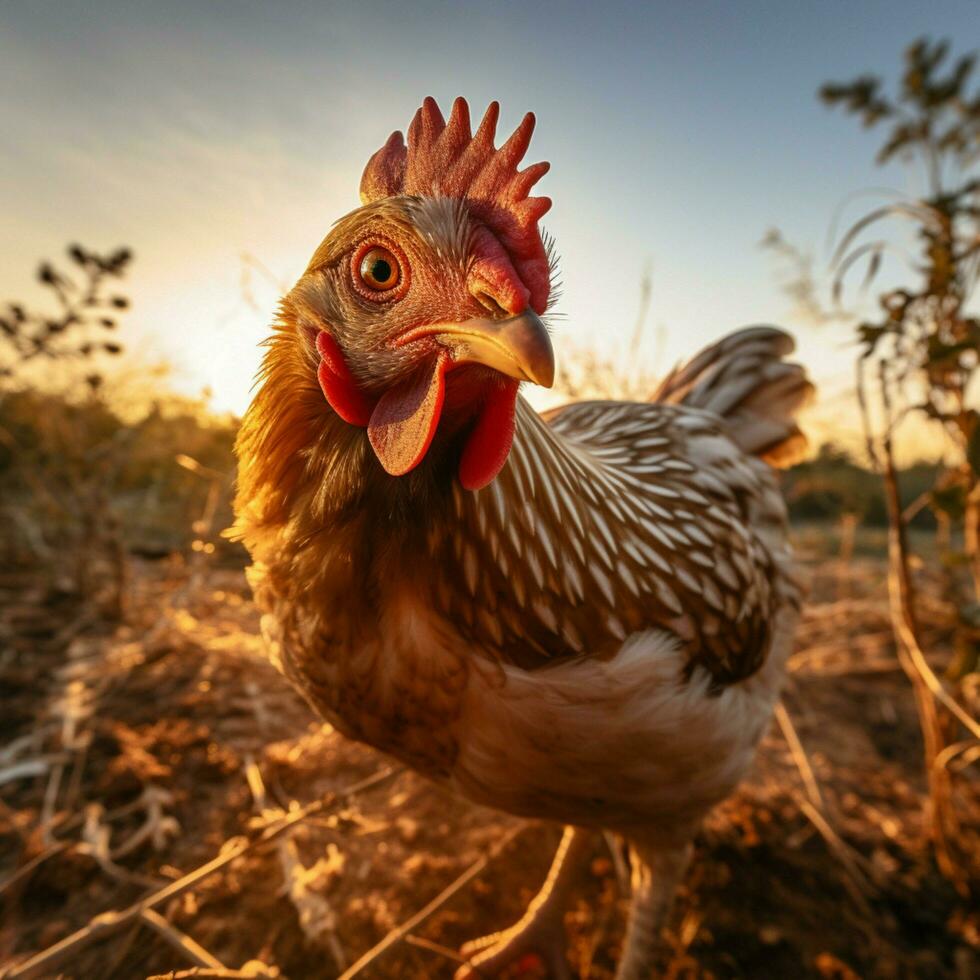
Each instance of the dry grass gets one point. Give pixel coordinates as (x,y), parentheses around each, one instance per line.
(163,771)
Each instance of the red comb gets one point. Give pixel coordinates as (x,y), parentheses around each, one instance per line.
(445,160)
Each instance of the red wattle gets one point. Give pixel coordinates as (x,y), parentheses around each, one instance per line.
(338,385)
(403,422)
(489,443)
(406,417)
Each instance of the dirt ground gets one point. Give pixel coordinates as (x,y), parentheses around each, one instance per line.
(131,755)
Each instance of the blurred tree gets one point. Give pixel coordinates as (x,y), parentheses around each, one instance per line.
(94,463)
(77,331)
(797,278)
(925,337)
(58,461)
(924,348)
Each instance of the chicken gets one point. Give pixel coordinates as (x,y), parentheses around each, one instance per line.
(582,617)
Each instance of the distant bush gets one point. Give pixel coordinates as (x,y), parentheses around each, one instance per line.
(80,329)
(833,484)
(61,459)
(82,486)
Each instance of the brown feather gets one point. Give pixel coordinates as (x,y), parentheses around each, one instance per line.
(743,379)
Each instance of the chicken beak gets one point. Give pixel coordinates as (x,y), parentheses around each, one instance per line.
(518,346)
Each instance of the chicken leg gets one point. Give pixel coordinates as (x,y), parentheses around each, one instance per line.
(656,873)
(541,929)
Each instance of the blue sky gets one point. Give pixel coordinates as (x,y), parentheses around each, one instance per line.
(678,133)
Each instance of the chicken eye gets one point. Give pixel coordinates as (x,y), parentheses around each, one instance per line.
(379,269)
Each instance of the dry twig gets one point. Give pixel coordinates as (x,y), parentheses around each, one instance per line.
(250,971)
(858,880)
(800,757)
(183,943)
(316,915)
(26,869)
(444,951)
(399,933)
(46,962)
(928,689)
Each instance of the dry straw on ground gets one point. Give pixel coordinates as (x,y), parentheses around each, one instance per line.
(172,809)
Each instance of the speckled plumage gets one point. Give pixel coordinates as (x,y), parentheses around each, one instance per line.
(609,520)
(598,636)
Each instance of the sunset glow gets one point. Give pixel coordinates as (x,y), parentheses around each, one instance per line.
(223,167)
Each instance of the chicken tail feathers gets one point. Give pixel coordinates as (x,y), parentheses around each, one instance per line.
(744,379)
